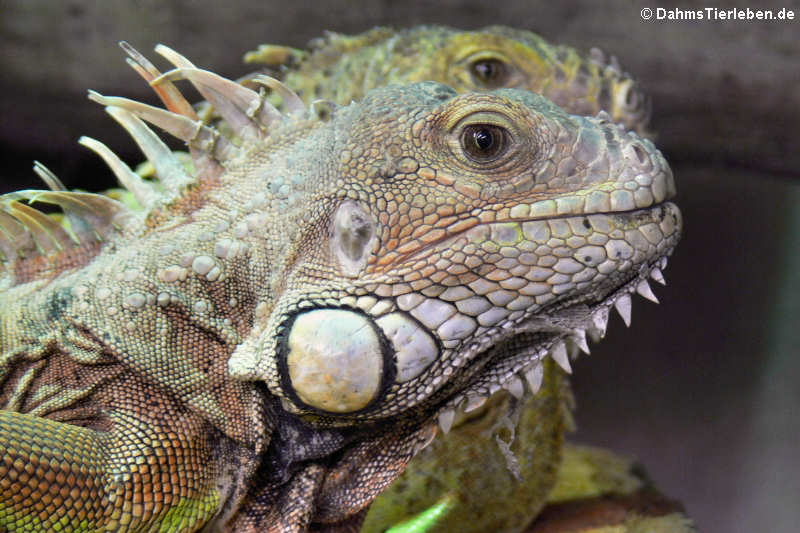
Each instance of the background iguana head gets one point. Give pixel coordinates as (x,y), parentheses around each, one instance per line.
(343,67)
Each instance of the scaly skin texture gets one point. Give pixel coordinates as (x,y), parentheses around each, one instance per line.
(271,342)
(343,68)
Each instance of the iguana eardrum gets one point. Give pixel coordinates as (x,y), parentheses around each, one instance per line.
(342,68)
(267,345)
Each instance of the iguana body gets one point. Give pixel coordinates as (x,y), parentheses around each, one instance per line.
(269,345)
(498,463)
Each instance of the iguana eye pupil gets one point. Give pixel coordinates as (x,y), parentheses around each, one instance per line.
(484,142)
(489,72)
(484,139)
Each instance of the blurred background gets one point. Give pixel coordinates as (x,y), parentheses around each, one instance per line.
(705,388)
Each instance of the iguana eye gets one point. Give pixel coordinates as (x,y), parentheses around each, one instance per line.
(483,143)
(489,72)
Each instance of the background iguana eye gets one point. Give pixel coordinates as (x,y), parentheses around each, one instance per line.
(489,72)
(484,142)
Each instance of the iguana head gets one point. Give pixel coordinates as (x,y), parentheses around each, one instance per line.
(452,243)
(343,67)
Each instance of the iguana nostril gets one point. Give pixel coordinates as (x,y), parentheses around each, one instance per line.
(631,98)
(640,153)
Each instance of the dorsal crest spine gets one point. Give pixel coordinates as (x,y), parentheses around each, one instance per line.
(27,234)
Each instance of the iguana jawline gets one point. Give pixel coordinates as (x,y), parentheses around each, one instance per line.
(558,342)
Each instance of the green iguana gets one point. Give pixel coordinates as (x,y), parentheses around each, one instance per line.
(342,68)
(267,345)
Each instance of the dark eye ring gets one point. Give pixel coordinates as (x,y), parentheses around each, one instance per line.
(483,143)
(489,72)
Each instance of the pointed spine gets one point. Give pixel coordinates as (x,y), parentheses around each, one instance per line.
(167,92)
(192,132)
(623,306)
(96,215)
(600,320)
(48,177)
(534,376)
(293,103)
(446,418)
(48,236)
(26,233)
(11,235)
(55,185)
(208,150)
(644,290)
(246,111)
(167,166)
(658,276)
(515,387)
(560,356)
(235,106)
(173,57)
(580,340)
(144,193)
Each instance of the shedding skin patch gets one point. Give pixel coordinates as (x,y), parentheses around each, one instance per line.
(334,360)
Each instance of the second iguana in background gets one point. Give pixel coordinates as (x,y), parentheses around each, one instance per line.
(342,68)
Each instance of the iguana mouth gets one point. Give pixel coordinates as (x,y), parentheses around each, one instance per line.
(562,339)
(558,330)
(437,243)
